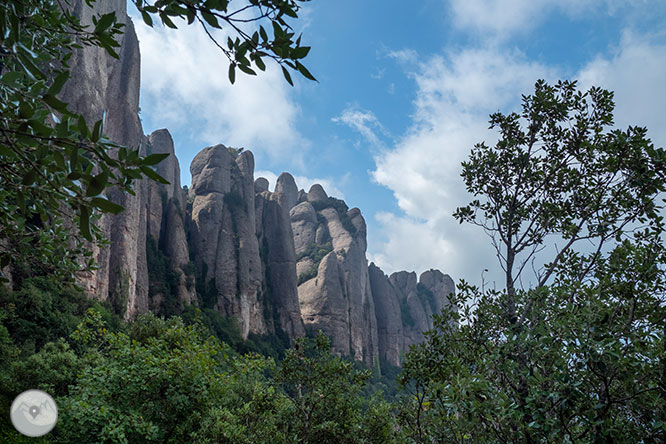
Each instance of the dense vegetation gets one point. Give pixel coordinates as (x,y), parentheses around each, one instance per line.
(316,252)
(157,380)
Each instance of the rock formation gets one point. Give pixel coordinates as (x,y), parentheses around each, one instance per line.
(284,261)
(223,234)
(334,290)
(277,254)
(103,87)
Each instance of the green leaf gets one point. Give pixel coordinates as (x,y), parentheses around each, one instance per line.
(247,70)
(232,73)
(84,222)
(82,127)
(260,63)
(97,184)
(262,33)
(300,52)
(147,19)
(97,131)
(11,78)
(105,22)
(55,103)
(287,76)
(303,70)
(58,83)
(154,159)
(167,21)
(30,68)
(152,174)
(210,19)
(106,205)
(29,177)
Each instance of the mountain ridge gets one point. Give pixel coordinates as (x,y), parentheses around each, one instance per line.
(281,261)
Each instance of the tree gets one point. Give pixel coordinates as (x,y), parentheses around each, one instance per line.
(580,357)
(327,405)
(54,166)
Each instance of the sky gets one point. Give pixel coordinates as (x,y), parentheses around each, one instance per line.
(404,92)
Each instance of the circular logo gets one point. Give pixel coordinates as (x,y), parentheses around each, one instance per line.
(34,413)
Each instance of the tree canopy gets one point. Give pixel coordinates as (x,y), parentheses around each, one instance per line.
(579,357)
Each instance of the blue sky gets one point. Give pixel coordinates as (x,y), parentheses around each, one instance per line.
(404,92)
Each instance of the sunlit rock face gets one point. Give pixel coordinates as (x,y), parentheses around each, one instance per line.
(334,292)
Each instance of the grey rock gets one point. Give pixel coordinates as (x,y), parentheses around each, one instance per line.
(223,234)
(260,185)
(389,317)
(303,224)
(342,282)
(316,193)
(279,263)
(286,190)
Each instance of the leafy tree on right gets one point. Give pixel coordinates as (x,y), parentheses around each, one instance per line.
(581,355)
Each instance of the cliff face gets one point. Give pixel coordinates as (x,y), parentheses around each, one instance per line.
(278,256)
(334,287)
(281,261)
(101,86)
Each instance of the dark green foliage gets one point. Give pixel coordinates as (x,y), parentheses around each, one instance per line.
(206,288)
(44,310)
(406,313)
(190,271)
(316,253)
(119,294)
(153,385)
(222,327)
(327,406)
(226,330)
(54,166)
(307,275)
(270,345)
(164,382)
(163,280)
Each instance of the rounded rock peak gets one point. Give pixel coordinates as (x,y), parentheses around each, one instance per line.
(317,193)
(286,189)
(429,277)
(161,141)
(303,211)
(260,185)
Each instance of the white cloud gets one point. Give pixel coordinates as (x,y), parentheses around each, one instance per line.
(454,96)
(636,73)
(304,183)
(501,18)
(185,84)
(364,122)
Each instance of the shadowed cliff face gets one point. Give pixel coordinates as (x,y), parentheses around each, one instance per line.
(100,84)
(223,234)
(286,260)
